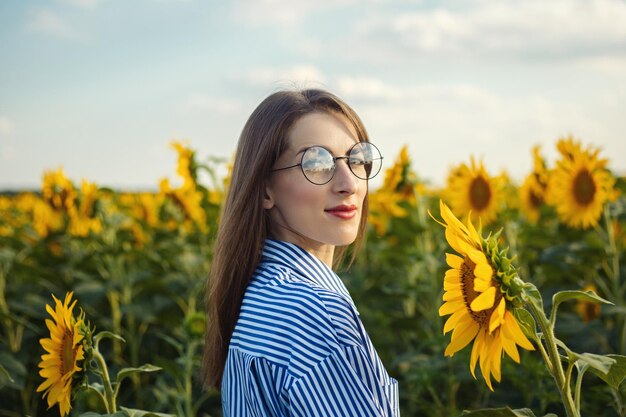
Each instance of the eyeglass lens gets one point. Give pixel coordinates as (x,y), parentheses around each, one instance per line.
(318,164)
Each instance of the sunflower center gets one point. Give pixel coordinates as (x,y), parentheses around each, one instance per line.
(479,193)
(67,353)
(467,287)
(584,187)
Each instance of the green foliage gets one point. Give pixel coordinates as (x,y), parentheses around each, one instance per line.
(503,412)
(151,294)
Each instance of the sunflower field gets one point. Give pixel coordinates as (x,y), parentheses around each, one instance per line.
(102,311)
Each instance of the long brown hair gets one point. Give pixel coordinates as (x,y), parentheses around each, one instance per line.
(244,223)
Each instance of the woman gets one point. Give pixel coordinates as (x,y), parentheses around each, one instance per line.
(284,336)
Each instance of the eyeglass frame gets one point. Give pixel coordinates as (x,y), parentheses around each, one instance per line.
(335,158)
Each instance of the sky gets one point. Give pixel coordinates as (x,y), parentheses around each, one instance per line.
(101,87)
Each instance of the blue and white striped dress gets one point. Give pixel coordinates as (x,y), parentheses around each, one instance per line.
(299,347)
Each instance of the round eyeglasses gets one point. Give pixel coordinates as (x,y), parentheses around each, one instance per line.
(318,165)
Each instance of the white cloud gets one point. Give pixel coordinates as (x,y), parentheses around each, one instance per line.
(611,66)
(197,102)
(50,23)
(374,89)
(288,13)
(298,76)
(367,88)
(443,124)
(533,28)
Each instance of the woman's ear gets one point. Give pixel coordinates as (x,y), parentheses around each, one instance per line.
(268,200)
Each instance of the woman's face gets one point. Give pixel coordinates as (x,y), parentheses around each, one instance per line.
(316,217)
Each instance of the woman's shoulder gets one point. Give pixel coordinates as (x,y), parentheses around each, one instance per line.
(284,284)
(287,310)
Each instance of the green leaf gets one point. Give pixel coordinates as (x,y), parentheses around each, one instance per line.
(616,373)
(142,413)
(614,310)
(526,322)
(123,373)
(559,297)
(531,294)
(499,412)
(4,376)
(12,371)
(599,363)
(92,414)
(589,296)
(110,335)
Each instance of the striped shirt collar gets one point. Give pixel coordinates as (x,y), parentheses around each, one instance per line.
(305,265)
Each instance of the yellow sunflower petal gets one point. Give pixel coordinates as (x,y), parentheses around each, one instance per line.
(481,285)
(511,349)
(453,240)
(450,219)
(483,271)
(497,316)
(450,307)
(473,233)
(45,384)
(485,300)
(454,319)
(452,275)
(461,336)
(454,261)
(485,361)
(495,355)
(477,256)
(52,327)
(476,348)
(513,332)
(48,344)
(452,295)
(451,286)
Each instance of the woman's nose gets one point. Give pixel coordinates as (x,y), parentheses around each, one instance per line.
(344,181)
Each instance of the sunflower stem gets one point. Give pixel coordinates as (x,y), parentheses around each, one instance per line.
(106,381)
(612,253)
(579,380)
(568,377)
(544,354)
(555,361)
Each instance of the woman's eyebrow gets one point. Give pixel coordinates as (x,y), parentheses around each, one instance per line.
(304,148)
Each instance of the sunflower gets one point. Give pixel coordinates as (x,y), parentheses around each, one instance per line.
(470,188)
(533,189)
(82,219)
(65,351)
(580,185)
(398,188)
(383,205)
(569,147)
(478,292)
(186,163)
(188,198)
(57,190)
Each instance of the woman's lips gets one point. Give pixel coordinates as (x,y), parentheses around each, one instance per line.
(343,212)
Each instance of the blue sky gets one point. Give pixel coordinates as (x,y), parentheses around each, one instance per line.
(100,87)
